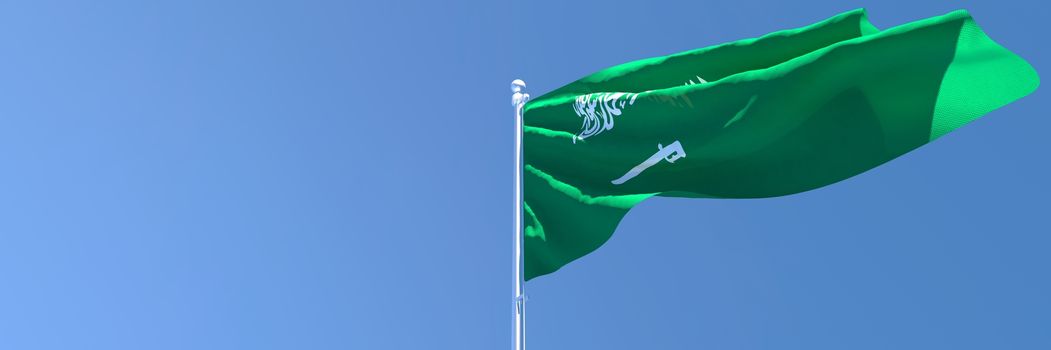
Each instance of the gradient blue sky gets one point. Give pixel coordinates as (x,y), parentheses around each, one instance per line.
(337,175)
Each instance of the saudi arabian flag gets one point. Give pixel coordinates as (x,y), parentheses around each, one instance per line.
(781,114)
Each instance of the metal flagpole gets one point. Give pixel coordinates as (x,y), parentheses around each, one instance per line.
(518,100)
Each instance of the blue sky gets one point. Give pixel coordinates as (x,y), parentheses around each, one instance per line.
(337,175)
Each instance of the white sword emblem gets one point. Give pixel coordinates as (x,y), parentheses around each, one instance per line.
(671,153)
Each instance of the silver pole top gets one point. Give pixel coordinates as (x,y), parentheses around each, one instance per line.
(519,98)
(517,85)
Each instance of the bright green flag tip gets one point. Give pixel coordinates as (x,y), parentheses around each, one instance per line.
(781,114)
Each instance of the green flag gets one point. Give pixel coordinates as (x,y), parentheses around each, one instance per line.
(781,114)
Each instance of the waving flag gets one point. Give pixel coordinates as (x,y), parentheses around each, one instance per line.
(781,114)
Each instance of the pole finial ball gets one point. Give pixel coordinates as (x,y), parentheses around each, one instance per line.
(517,85)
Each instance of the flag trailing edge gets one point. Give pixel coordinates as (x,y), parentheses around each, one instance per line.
(780,114)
